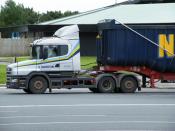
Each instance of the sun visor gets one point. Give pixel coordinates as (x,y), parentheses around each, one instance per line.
(68,32)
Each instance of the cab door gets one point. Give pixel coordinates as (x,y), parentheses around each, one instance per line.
(50,61)
(57,58)
(66,61)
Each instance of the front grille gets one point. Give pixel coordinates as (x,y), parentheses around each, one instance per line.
(8,79)
(8,73)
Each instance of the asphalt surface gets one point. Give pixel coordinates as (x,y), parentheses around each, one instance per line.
(81,110)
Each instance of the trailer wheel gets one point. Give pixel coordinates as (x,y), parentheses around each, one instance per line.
(128,85)
(27,91)
(106,85)
(38,85)
(94,90)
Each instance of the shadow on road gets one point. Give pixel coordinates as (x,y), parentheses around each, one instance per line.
(91,93)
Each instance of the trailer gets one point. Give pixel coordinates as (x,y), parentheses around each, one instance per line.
(55,62)
(147,50)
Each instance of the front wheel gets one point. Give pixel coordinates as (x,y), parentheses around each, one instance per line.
(106,85)
(38,85)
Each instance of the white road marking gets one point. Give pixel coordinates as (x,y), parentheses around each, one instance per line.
(8,111)
(90,122)
(12,117)
(84,105)
(124,130)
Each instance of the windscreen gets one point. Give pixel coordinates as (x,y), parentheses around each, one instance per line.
(36,52)
(54,51)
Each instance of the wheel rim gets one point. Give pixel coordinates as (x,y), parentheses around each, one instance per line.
(107,84)
(38,85)
(129,84)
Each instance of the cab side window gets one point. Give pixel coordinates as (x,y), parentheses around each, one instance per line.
(54,51)
(62,50)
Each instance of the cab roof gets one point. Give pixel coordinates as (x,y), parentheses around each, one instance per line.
(50,41)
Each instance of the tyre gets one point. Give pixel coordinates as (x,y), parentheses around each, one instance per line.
(38,85)
(106,85)
(128,85)
(94,90)
(27,91)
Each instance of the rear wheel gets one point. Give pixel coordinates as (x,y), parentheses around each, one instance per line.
(128,85)
(38,85)
(106,85)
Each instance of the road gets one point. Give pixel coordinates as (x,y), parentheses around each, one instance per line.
(81,110)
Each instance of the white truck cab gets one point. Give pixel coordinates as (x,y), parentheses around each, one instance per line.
(58,53)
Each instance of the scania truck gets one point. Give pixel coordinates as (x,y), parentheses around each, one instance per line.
(123,53)
(55,64)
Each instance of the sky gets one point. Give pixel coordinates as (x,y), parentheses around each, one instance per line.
(42,6)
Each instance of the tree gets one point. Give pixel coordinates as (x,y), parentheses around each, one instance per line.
(13,14)
(31,16)
(51,15)
(9,11)
(69,13)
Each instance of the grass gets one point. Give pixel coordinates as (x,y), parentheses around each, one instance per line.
(22,58)
(2,74)
(11,59)
(86,63)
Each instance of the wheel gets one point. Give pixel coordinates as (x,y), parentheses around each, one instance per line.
(128,85)
(106,85)
(95,90)
(27,91)
(38,85)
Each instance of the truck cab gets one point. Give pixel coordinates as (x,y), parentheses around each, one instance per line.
(53,57)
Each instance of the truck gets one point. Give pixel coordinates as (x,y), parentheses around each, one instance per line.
(123,53)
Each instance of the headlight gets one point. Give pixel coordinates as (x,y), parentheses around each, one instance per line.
(9,69)
(14,80)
